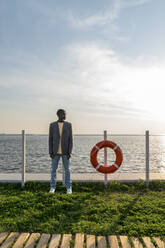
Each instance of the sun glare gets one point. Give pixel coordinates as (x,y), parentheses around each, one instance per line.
(147,92)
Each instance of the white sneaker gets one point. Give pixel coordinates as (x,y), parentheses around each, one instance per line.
(52,190)
(69,191)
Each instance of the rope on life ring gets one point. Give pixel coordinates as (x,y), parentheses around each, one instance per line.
(102,168)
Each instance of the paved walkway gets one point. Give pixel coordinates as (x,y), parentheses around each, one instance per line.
(30,240)
(82,177)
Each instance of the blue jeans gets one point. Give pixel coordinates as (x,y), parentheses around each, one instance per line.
(66,163)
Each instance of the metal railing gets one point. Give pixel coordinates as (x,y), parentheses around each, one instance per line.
(147,164)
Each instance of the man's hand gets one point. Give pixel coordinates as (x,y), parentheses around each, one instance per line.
(69,156)
(52,155)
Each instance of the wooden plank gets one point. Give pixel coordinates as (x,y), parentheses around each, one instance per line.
(101,242)
(10,240)
(79,240)
(124,242)
(136,243)
(43,240)
(113,242)
(3,235)
(148,242)
(21,240)
(66,241)
(55,240)
(159,243)
(90,241)
(32,240)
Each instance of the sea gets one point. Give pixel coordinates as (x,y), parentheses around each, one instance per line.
(38,160)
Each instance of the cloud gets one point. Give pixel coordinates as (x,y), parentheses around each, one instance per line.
(130,3)
(107,15)
(98,19)
(102,18)
(88,79)
(108,84)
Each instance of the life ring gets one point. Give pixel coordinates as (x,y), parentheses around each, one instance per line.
(102,168)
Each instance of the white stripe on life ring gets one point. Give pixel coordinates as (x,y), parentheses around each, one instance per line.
(115,147)
(98,166)
(116,165)
(97,147)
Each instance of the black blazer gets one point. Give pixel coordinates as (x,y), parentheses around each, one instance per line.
(66,138)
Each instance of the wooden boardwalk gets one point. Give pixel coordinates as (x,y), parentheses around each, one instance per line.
(80,240)
(82,177)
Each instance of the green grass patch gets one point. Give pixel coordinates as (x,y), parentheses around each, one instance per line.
(125,209)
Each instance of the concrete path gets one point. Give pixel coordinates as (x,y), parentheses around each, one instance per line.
(82,177)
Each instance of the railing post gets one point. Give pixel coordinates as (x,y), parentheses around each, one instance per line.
(147,158)
(23,157)
(105,158)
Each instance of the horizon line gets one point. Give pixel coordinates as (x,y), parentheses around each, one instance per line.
(87,134)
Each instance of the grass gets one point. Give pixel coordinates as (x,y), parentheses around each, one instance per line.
(125,209)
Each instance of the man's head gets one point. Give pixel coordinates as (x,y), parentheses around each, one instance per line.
(61,114)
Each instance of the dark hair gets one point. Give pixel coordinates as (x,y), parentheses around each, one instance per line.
(60,111)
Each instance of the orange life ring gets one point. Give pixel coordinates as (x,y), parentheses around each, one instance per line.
(102,168)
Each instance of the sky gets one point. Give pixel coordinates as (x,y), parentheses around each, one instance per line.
(101,61)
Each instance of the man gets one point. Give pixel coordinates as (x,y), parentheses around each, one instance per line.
(60,146)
